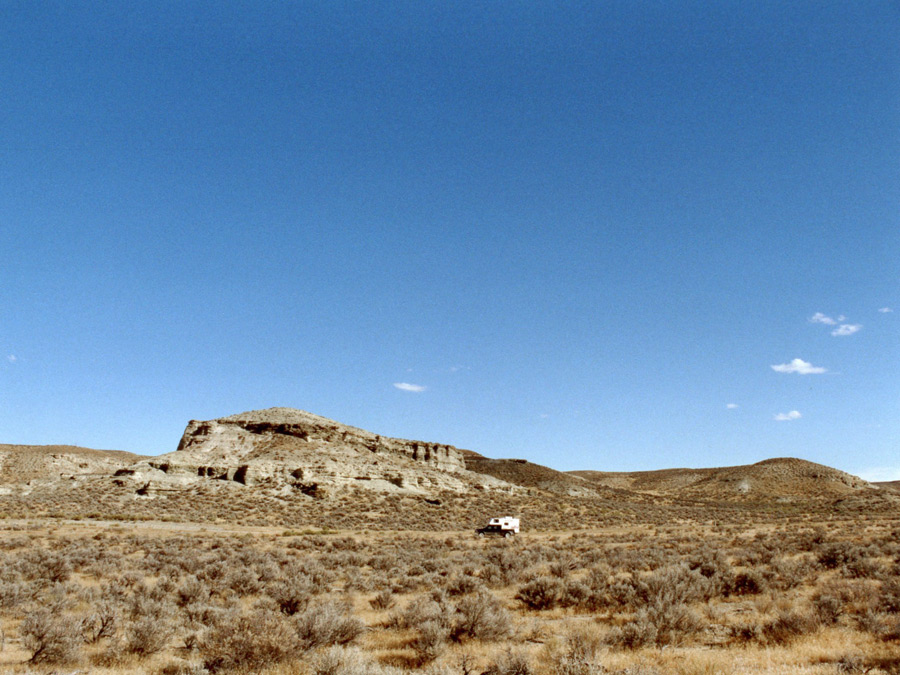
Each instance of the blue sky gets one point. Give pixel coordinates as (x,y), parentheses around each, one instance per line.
(579,234)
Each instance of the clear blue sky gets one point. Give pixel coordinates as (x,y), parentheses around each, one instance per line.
(577,233)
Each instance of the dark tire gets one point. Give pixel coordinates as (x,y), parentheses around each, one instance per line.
(481,534)
(507,535)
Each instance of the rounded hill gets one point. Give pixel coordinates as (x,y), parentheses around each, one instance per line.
(771,479)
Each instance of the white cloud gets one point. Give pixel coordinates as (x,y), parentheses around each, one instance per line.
(406,386)
(787,417)
(846,329)
(800,367)
(878,474)
(12,358)
(732,406)
(818,317)
(885,310)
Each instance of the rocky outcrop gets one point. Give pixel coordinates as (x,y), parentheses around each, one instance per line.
(287,449)
(276,430)
(22,463)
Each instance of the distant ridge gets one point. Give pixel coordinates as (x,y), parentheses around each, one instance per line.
(23,463)
(284,451)
(526,474)
(780,477)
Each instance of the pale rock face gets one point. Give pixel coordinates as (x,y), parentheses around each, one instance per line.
(284,448)
(23,464)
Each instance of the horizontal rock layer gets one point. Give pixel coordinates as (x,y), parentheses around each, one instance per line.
(282,448)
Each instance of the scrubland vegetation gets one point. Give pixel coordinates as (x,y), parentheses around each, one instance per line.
(777,595)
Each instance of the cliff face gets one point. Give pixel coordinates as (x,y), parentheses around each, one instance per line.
(282,448)
(22,463)
(274,432)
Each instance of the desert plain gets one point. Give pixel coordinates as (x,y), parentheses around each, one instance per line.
(277,541)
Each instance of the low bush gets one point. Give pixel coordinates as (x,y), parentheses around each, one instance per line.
(509,663)
(661,623)
(326,624)
(50,638)
(247,642)
(292,594)
(576,654)
(103,622)
(750,582)
(148,635)
(541,593)
(786,627)
(827,608)
(345,661)
(431,640)
(382,600)
(481,616)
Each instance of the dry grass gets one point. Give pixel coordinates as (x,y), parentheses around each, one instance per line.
(695,597)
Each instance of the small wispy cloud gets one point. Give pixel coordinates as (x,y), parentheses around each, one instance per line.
(732,406)
(406,386)
(842,330)
(846,329)
(818,317)
(12,358)
(800,367)
(885,310)
(788,416)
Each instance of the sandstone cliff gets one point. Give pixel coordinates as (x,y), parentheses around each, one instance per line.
(283,448)
(20,464)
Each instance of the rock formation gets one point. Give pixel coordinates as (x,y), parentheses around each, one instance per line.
(283,448)
(20,464)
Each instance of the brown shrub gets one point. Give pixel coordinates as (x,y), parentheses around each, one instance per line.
(103,622)
(541,593)
(787,626)
(51,638)
(148,634)
(247,641)
(509,663)
(890,595)
(433,607)
(577,655)
(431,640)
(838,554)
(292,594)
(660,623)
(190,591)
(750,582)
(827,608)
(382,600)
(463,584)
(12,593)
(481,616)
(672,585)
(326,624)
(345,661)
(883,625)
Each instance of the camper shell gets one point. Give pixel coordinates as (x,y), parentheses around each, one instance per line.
(500,527)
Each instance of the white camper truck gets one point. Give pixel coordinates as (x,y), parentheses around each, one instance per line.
(500,527)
